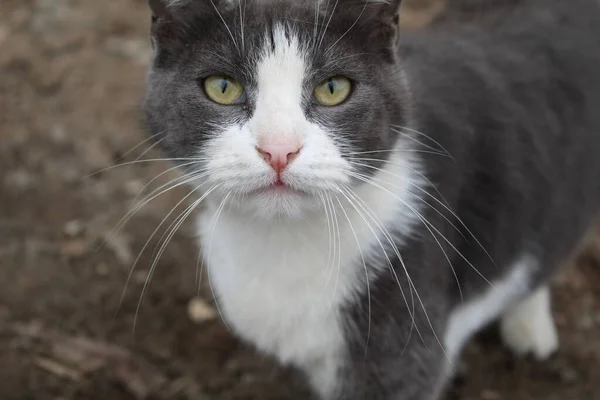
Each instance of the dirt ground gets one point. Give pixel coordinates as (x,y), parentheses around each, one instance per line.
(71,77)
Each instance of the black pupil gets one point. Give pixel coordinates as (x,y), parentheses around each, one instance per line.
(331,85)
(224,85)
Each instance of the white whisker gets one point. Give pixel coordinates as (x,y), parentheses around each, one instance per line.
(350,195)
(349,29)
(414,185)
(425,223)
(122,157)
(437,211)
(413,170)
(316,26)
(242,18)
(415,140)
(328,22)
(175,227)
(446,206)
(186,179)
(141,162)
(395,151)
(337,252)
(329,231)
(362,257)
(426,136)
(213,225)
(224,23)
(152,146)
(157,177)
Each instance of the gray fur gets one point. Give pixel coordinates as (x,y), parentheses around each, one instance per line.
(514,97)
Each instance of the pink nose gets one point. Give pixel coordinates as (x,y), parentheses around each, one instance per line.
(278,155)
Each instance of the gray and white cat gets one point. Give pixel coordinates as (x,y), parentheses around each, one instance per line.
(372,200)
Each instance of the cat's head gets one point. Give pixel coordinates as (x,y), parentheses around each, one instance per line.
(270,103)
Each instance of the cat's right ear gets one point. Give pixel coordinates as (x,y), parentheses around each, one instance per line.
(164,21)
(172,19)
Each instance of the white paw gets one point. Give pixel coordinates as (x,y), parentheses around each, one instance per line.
(529,327)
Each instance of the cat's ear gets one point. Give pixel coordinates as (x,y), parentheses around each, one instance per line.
(171,18)
(164,20)
(381,17)
(387,13)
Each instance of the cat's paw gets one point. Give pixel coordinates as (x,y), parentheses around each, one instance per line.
(529,327)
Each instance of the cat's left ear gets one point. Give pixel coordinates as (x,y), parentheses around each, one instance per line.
(379,21)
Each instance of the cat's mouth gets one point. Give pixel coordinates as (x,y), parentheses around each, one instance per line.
(279,188)
(279,183)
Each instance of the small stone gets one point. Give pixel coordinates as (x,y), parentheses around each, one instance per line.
(19,179)
(200,311)
(490,395)
(58,134)
(31,329)
(119,244)
(586,322)
(74,249)
(569,375)
(74,228)
(57,369)
(102,269)
(249,378)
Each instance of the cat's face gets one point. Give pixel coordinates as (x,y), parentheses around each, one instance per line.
(269,103)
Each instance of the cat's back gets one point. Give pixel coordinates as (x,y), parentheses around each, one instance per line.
(514,69)
(507,37)
(513,94)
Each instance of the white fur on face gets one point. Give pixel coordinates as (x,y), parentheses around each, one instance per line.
(236,165)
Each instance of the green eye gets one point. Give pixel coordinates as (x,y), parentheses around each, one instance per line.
(223,90)
(333,91)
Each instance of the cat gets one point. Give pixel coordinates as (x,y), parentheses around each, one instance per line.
(370,199)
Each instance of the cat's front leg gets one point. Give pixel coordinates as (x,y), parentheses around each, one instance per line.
(324,376)
(414,378)
(391,369)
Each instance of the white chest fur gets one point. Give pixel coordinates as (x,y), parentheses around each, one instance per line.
(276,287)
(281,284)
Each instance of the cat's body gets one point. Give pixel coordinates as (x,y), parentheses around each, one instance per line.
(457,177)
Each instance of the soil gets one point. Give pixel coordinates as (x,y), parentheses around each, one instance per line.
(71,78)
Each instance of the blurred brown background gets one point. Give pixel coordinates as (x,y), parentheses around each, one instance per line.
(71,77)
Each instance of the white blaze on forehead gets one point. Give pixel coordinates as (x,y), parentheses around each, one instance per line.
(280,75)
(282,66)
